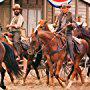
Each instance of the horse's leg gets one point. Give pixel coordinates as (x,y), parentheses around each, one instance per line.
(2,78)
(51,69)
(72,69)
(88,73)
(10,74)
(27,70)
(72,78)
(80,73)
(36,70)
(2,70)
(78,70)
(47,73)
(59,65)
(76,64)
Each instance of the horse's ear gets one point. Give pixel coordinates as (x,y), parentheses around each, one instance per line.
(36,33)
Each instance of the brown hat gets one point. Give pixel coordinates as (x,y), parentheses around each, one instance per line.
(65,5)
(16,6)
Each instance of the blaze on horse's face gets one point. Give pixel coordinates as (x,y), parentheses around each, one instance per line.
(34,43)
(42,24)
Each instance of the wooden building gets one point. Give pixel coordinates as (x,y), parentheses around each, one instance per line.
(34,10)
(80,7)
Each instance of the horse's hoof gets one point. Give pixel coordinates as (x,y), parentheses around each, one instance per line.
(87,79)
(69,85)
(3,87)
(47,83)
(82,80)
(39,81)
(62,79)
(63,84)
(23,83)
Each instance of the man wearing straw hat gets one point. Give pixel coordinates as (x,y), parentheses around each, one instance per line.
(16,27)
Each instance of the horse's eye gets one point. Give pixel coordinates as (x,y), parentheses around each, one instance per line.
(40,26)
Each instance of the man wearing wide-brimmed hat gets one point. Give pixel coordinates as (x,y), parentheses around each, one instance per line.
(16,26)
(63,17)
(64,21)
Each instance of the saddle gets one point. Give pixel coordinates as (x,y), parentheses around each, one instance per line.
(77,43)
(8,37)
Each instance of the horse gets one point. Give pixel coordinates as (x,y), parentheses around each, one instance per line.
(54,50)
(25,54)
(43,25)
(8,57)
(50,27)
(33,63)
(80,32)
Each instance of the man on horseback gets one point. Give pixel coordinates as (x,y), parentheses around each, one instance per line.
(16,27)
(66,24)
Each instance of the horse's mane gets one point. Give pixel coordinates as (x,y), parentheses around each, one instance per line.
(86,32)
(46,35)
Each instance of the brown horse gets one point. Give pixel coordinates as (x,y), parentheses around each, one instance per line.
(8,57)
(6,38)
(77,33)
(54,50)
(80,32)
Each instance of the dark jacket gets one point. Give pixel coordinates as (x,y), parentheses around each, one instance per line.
(68,19)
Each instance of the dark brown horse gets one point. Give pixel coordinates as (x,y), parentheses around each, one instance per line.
(54,50)
(80,32)
(8,57)
(6,38)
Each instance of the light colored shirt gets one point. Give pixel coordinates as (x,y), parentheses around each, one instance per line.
(63,21)
(18,21)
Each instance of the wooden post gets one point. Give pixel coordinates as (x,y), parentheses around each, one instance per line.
(36,12)
(87,15)
(12,3)
(76,8)
(27,17)
(52,14)
(45,9)
(42,13)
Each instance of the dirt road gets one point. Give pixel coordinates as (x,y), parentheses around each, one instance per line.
(33,84)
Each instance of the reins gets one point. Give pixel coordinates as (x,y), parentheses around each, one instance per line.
(50,41)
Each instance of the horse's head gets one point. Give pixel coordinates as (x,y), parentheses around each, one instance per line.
(34,43)
(42,25)
(78,31)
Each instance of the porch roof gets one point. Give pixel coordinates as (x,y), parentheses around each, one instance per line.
(86,1)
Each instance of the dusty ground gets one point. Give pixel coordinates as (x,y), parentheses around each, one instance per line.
(33,84)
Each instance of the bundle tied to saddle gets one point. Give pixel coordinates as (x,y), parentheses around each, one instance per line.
(8,40)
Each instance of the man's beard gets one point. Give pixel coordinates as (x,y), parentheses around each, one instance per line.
(16,13)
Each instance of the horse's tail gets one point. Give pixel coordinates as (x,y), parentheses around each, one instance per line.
(10,61)
(39,57)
